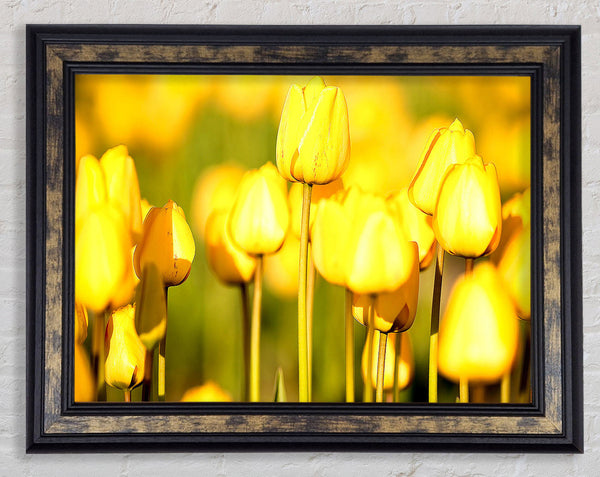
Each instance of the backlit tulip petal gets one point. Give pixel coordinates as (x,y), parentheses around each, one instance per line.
(151,307)
(209,392)
(445,146)
(467,220)
(515,268)
(81,323)
(90,187)
(406,370)
(313,141)
(259,218)
(167,241)
(478,334)
(229,262)
(394,311)
(125,353)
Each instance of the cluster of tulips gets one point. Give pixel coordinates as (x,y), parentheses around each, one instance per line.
(372,246)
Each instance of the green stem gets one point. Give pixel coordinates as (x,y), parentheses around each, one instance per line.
(303,370)
(463,390)
(162,354)
(147,384)
(435,325)
(368,387)
(349,319)
(255,332)
(381,366)
(397,356)
(245,340)
(310,291)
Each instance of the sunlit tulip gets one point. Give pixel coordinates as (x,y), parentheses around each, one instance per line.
(125,353)
(319,192)
(102,252)
(479,331)
(259,218)
(515,268)
(168,242)
(151,307)
(230,263)
(85,389)
(394,311)
(81,323)
(90,187)
(415,224)
(209,392)
(281,269)
(122,187)
(406,369)
(467,220)
(215,188)
(445,146)
(313,141)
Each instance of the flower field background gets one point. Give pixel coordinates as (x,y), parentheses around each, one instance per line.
(193,137)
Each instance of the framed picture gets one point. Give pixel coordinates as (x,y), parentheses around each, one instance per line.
(293,238)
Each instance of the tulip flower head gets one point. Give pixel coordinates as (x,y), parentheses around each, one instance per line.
(166,241)
(313,141)
(81,323)
(259,218)
(479,331)
(516,214)
(229,262)
(151,307)
(467,220)
(208,392)
(394,311)
(515,268)
(406,370)
(281,269)
(445,146)
(125,353)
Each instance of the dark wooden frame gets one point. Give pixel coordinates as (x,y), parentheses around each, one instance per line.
(550,55)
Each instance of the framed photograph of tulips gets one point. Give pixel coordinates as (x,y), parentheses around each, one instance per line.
(293,238)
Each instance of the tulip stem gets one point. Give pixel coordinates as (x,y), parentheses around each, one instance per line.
(368,387)
(147,384)
(435,325)
(162,353)
(255,332)
(463,390)
(468,266)
(310,291)
(303,361)
(505,388)
(397,355)
(98,354)
(245,340)
(349,346)
(380,366)
(127,396)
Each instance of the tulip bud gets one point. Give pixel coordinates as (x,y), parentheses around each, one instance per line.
(85,390)
(122,187)
(406,370)
(258,221)
(313,141)
(151,307)
(467,220)
(209,392)
(81,323)
(515,268)
(90,187)
(394,311)
(230,263)
(125,353)
(445,146)
(415,224)
(478,335)
(167,241)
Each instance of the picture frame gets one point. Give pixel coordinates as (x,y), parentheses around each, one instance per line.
(549,55)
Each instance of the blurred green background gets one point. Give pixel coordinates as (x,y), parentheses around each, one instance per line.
(177,128)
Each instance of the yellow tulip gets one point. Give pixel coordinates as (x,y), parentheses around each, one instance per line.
(209,392)
(122,186)
(515,268)
(313,141)
(85,389)
(415,224)
(166,241)
(319,192)
(125,353)
(281,269)
(151,307)
(230,263)
(81,323)
(90,187)
(467,220)
(445,146)
(102,252)
(215,188)
(516,214)
(479,331)
(145,206)
(259,218)
(394,311)
(406,370)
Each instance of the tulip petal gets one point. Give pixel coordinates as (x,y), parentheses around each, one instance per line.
(288,135)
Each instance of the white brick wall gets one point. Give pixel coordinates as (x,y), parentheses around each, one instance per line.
(14,14)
